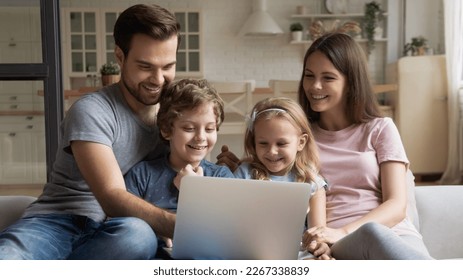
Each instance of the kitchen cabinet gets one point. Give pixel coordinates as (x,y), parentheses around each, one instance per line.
(88,43)
(420,110)
(20,96)
(22,150)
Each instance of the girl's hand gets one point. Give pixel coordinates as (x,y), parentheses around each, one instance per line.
(187,170)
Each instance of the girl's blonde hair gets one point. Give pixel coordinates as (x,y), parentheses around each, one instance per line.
(306,165)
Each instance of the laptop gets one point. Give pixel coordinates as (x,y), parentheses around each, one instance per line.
(239,219)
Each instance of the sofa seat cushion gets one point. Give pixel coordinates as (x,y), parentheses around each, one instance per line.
(12,207)
(440,210)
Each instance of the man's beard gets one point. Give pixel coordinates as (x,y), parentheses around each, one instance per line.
(138,96)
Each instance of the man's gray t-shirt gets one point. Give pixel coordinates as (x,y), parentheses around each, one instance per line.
(102,117)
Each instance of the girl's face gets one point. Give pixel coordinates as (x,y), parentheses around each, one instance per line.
(324,86)
(193,136)
(277,143)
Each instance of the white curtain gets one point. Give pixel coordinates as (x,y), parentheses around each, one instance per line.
(453,18)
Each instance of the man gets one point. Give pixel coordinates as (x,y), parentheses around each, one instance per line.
(85,211)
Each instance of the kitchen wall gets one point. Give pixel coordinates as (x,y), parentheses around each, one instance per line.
(229,57)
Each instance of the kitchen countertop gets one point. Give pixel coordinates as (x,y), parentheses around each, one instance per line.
(75,93)
(21,113)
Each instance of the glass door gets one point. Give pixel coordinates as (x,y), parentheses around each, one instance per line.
(30,87)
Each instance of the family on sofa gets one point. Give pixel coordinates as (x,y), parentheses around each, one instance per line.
(105,134)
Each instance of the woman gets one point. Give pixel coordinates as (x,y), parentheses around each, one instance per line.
(361,155)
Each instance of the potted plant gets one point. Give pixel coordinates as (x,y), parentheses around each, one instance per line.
(110,73)
(416,47)
(296,31)
(373,15)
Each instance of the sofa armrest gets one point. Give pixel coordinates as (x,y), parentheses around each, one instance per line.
(440,210)
(12,207)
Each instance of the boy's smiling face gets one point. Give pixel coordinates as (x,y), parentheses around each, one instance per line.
(193,136)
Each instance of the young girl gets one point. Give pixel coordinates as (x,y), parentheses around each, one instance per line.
(280,147)
(189,117)
(361,155)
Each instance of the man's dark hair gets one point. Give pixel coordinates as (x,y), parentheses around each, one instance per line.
(151,20)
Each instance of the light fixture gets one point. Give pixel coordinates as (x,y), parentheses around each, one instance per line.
(260,23)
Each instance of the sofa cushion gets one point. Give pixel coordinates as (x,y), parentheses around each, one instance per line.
(14,205)
(440,210)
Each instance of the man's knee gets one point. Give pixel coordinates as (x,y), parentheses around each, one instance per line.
(136,239)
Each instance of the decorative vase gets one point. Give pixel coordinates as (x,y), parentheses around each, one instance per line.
(378,32)
(109,79)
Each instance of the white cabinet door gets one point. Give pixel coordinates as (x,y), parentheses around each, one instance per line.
(15,166)
(22,150)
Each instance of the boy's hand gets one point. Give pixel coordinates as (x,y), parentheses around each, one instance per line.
(187,170)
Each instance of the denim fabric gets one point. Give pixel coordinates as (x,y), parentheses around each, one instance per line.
(57,237)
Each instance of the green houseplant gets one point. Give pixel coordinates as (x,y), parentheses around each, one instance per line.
(416,47)
(297,26)
(373,15)
(110,73)
(296,31)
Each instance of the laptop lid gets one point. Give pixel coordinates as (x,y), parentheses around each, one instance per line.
(228,218)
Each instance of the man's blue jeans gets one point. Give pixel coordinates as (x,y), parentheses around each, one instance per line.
(58,236)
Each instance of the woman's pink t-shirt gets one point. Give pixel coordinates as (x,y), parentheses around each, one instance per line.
(350,160)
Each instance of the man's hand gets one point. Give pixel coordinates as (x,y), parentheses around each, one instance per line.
(227,158)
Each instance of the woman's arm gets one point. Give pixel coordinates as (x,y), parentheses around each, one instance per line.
(389,213)
(394,190)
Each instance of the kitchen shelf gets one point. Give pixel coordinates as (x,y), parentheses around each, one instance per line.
(330,16)
(308,42)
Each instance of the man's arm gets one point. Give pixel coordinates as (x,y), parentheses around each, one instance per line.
(102,173)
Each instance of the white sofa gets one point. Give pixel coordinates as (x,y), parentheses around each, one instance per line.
(440,217)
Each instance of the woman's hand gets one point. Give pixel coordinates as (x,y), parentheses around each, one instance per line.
(320,250)
(187,170)
(323,235)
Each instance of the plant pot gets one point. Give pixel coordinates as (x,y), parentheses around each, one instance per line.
(109,79)
(378,32)
(296,35)
(421,51)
